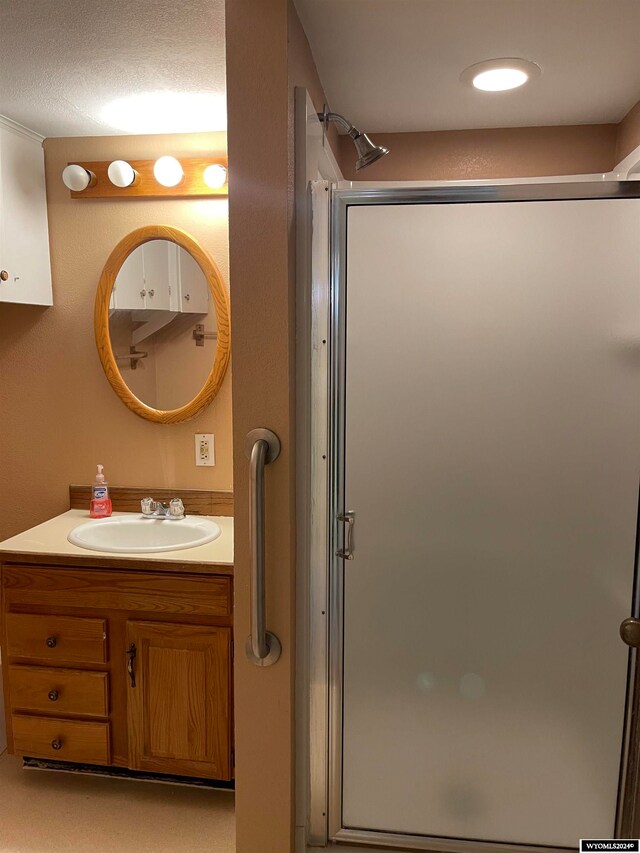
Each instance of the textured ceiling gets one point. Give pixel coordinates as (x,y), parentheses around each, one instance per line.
(393,65)
(63,61)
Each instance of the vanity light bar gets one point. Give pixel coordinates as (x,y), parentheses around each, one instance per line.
(202,177)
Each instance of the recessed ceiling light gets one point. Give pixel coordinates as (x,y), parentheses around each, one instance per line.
(500,75)
(167,112)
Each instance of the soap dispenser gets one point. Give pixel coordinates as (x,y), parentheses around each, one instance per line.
(100,502)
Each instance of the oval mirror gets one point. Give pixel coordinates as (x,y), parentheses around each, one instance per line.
(162,324)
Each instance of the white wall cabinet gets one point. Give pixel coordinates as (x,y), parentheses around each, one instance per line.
(25,267)
(144,279)
(161,276)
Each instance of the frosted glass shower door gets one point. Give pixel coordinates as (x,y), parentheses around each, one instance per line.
(491,457)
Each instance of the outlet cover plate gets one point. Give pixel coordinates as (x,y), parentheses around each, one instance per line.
(205,449)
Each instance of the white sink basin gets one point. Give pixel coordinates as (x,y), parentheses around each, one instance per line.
(139,535)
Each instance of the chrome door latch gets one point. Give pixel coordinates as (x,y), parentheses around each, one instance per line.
(349,519)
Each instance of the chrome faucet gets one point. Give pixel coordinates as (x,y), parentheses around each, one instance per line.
(158,509)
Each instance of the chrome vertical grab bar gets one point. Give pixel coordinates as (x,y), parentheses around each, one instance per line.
(261,447)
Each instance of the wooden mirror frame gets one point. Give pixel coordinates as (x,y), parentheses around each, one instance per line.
(101,323)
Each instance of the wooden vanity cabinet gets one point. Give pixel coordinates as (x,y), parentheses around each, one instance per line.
(122,668)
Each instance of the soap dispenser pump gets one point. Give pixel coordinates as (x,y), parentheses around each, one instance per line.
(100,502)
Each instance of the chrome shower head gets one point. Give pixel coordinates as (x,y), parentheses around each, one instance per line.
(368,151)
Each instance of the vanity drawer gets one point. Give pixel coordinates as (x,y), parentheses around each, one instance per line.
(64,740)
(51,690)
(143,591)
(56,638)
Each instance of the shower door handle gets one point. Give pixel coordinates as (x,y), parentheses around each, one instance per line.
(347,552)
(630,632)
(261,447)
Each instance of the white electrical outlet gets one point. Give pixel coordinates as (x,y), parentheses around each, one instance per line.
(205,453)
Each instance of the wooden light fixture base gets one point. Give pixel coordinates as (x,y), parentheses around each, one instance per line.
(146,186)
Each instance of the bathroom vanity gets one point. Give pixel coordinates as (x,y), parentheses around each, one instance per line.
(119,660)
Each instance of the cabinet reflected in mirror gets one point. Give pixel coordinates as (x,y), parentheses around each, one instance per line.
(162,324)
(159,305)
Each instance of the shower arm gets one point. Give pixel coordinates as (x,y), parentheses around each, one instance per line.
(368,152)
(326,116)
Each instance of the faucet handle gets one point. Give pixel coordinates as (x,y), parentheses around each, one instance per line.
(148,506)
(176,508)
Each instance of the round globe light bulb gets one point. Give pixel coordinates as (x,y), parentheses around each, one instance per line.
(215,176)
(76,178)
(121,173)
(168,171)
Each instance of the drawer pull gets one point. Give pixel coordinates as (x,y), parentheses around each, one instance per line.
(131,663)
(53,695)
(56,743)
(52,642)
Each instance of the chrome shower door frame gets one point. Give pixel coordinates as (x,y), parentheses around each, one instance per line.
(628,807)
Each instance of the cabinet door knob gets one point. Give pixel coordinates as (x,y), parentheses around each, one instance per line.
(4,275)
(187,297)
(56,743)
(53,695)
(52,642)
(152,292)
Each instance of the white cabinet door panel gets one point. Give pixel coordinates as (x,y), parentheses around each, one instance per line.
(24,236)
(129,292)
(156,262)
(194,289)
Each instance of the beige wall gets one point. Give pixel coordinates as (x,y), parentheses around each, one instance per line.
(267,56)
(59,414)
(491,153)
(628,133)
(182,367)
(303,68)
(261,297)
(507,152)
(143,379)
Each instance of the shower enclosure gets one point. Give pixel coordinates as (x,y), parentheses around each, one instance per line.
(484,472)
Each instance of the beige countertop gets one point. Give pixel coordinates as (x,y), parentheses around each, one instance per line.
(50,538)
